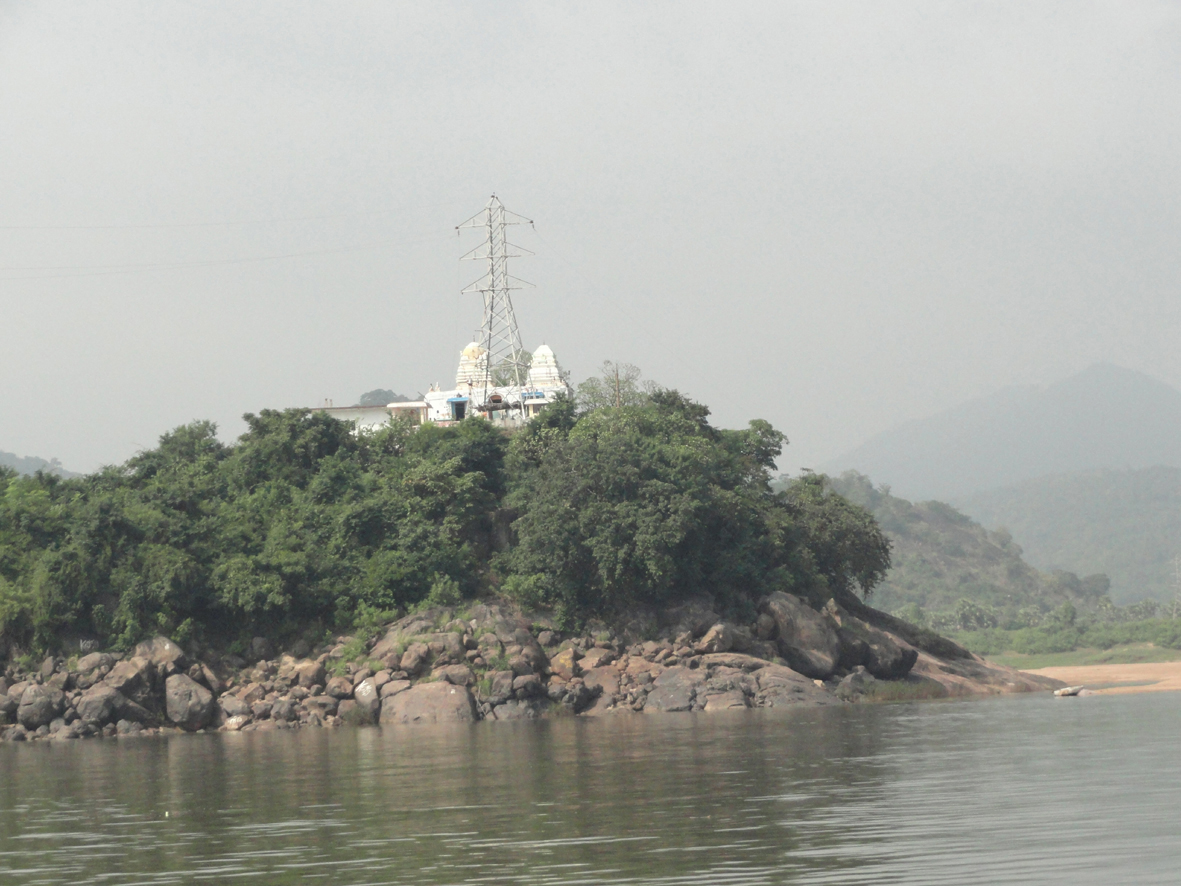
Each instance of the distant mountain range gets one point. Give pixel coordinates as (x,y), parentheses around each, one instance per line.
(30,465)
(1105,417)
(1126,524)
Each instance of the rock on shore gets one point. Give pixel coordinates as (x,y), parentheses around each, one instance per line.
(492,662)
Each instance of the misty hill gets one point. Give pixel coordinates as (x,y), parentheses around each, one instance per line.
(941,556)
(30,465)
(1126,524)
(1103,417)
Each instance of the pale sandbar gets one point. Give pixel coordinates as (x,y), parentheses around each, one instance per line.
(1104,679)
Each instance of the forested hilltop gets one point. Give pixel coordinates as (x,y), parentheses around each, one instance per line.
(302,527)
(949,571)
(952,575)
(30,464)
(1124,523)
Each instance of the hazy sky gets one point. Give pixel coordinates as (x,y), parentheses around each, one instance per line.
(832,216)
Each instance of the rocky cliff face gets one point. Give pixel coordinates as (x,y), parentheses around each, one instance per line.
(495,663)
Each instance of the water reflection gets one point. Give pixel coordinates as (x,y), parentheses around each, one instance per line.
(949,793)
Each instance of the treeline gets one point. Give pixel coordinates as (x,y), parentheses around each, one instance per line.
(1066,632)
(303,526)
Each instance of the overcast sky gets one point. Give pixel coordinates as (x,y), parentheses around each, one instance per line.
(833,216)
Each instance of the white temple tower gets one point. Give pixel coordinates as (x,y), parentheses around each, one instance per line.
(544,371)
(473,366)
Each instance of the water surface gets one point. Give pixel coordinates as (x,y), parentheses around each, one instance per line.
(1019,790)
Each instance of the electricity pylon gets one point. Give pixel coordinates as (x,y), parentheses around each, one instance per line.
(506,361)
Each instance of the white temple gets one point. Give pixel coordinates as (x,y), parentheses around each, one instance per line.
(506,405)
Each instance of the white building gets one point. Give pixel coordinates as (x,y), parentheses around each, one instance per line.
(370,418)
(508,406)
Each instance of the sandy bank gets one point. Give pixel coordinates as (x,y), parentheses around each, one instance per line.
(1164,676)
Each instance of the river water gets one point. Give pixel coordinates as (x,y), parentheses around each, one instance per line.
(1025,790)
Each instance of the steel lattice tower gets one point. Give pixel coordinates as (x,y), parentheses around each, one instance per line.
(506,361)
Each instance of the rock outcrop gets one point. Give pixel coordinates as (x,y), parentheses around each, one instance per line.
(430,703)
(495,663)
(807,640)
(189,704)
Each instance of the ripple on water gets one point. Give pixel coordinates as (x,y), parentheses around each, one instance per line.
(996,792)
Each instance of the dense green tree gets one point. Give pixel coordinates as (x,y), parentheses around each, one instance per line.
(646,503)
(303,524)
(381,397)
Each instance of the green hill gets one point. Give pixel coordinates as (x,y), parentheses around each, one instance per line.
(941,557)
(1125,523)
(29,465)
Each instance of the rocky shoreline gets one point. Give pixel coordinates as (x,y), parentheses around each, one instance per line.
(493,662)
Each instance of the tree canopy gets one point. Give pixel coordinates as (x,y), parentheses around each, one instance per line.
(381,397)
(302,523)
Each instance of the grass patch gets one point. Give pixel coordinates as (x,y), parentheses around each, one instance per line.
(498,663)
(1132,653)
(354,649)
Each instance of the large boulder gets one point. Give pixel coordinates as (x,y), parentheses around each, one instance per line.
(675,690)
(603,681)
(39,706)
(528,686)
(783,687)
(393,643)
(516,709)
(415,659)
(806,639)
(430,703)
(730,700)
(92,668)
(368,702)
(133,678)
(232,706)
(99,704)
(166,657)
(446,648)
(502,686)
(189,704)
(884,655)
(565,664)
(719,638)
(309,673)
(460,675)
(321,705)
